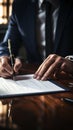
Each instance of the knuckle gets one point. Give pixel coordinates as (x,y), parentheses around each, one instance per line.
(64,66)
(4,64)
(53,56)
(59,60)
(2,71)
(45,65)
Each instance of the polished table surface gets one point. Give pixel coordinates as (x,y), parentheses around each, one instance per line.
(41,112)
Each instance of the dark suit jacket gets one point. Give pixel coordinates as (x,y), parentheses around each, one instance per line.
(21,29)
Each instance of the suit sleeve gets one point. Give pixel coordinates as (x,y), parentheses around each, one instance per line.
(13,34)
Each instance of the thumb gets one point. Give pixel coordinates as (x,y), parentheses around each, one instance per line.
(17,65)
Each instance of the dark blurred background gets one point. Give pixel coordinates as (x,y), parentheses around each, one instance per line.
(5,12)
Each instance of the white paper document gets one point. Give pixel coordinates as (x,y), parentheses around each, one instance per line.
(27,85)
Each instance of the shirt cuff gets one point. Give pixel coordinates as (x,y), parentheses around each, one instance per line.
(70,57)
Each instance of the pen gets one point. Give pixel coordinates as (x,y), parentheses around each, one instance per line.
(67,100)
(11,55)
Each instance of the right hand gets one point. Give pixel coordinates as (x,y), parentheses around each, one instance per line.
(6,70)
(54,66)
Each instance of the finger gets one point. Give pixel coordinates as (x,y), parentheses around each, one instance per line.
(4,73)
(37,73)
(51,58)
(17,65)
(44,68)
(65,69)
(40,67)
(53,67)
(67,66)
(6,68)
(57,73)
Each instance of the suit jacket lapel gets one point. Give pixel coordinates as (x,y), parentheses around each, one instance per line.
(33,15)
(63,15)
(48,29)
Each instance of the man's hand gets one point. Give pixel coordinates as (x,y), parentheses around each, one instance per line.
(53,66)
(6,71)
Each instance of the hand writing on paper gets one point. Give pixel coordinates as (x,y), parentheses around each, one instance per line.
(6,70)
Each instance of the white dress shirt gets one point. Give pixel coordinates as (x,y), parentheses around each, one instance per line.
(41,27)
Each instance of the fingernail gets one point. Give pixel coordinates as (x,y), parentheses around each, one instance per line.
(34,76)
(42,78)
(38,77)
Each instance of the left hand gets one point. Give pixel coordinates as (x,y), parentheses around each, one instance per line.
(53,66)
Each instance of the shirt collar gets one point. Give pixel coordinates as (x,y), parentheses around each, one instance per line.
(40,2)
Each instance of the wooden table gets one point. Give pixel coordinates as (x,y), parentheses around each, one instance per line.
(42,112)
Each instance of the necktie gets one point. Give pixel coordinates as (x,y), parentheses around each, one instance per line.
(49,31)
